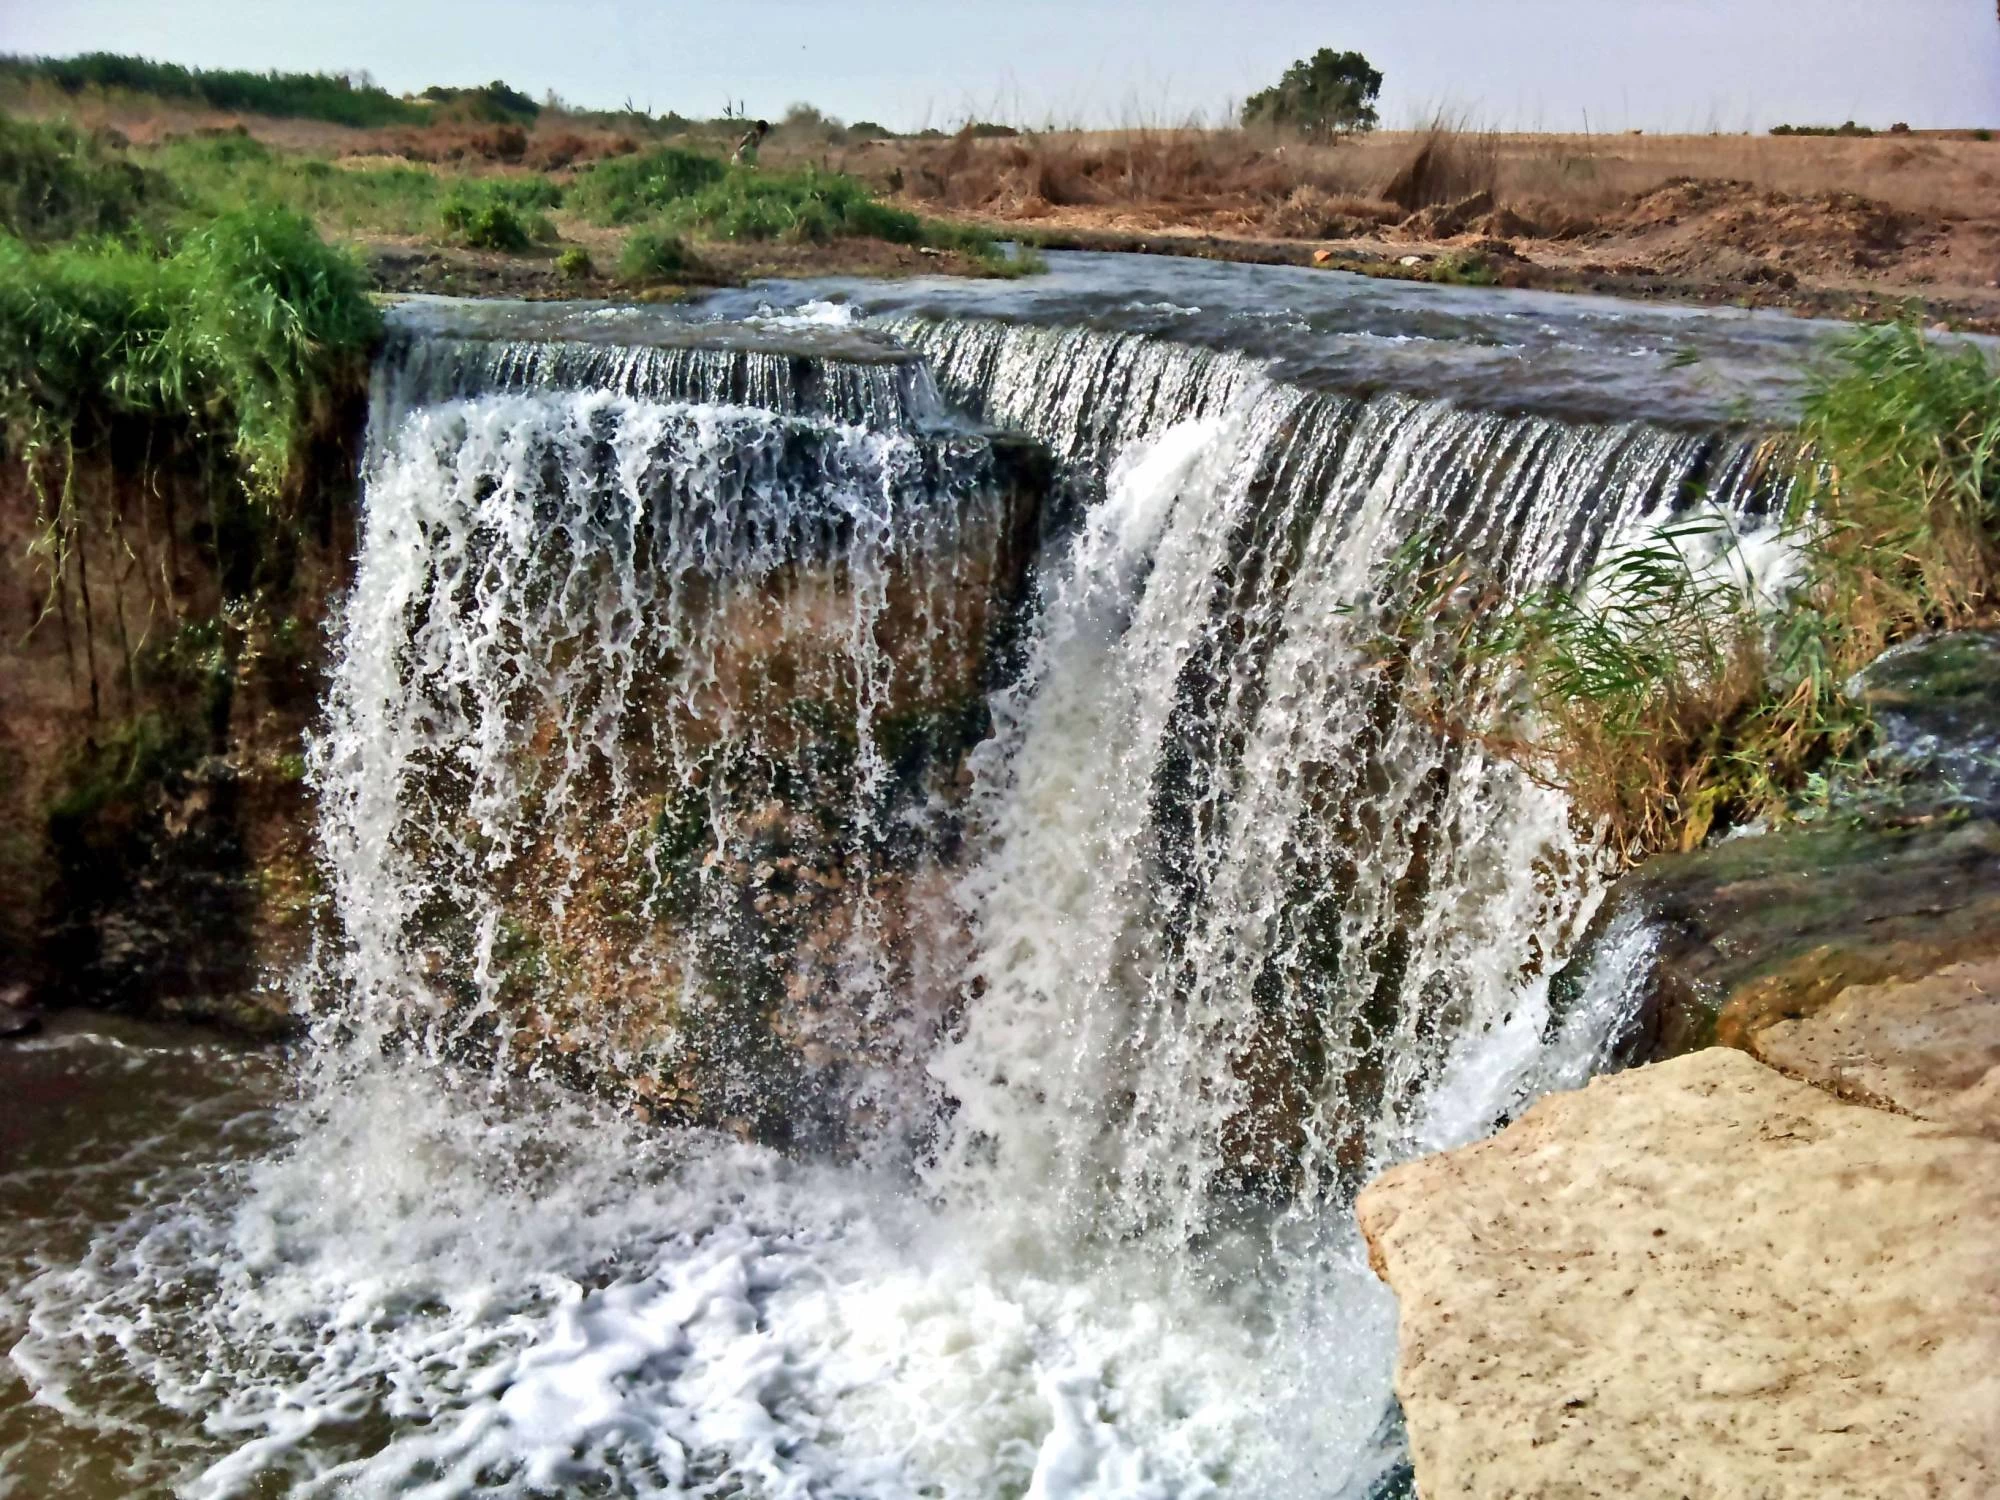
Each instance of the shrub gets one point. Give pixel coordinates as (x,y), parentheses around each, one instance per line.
(654,255)
(809,207)
(498,213)
(494,103)
(628,189)
(574,264)
(57,183)
(311,96)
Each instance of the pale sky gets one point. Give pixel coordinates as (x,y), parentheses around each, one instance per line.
(1548,64)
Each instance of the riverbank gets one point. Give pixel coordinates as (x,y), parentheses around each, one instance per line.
(1850,226)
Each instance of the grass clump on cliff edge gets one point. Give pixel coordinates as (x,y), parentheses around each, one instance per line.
(1665,702)
(232,347)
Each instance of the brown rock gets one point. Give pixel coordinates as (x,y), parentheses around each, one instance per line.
(1929,1047)
(1757,931)
(1699,1279)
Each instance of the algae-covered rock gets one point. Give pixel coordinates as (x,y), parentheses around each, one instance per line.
(1899,883)
(1761,930)
(1936,706)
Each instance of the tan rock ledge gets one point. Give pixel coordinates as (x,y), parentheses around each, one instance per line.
(1702,1280)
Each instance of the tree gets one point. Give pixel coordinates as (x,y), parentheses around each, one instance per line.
(1332,94)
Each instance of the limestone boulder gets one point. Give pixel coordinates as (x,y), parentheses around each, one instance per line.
(1929,1047)
(1699,1279)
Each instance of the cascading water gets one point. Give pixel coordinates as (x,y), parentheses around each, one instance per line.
(708,732)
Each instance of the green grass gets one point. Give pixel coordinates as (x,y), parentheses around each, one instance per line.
(1462,268)
(495,213)
(234,344)
(633,188)
(57,182)
(1901,504)
(219,174)
(808,207)
(1659,698)
(685,193)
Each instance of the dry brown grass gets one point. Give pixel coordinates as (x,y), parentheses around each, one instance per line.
(1561,177)
(549,146)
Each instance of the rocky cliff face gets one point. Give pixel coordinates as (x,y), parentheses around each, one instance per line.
(154,827)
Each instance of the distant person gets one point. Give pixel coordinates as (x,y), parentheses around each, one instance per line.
(746,149)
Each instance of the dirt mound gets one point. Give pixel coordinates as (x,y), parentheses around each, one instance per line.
(1714,224)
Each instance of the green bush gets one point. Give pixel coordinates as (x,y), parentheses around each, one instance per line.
(631,188)
(654,255)
(57,183)
(808,207)
(692,194)
(574,264)
(493,103)
(497,213)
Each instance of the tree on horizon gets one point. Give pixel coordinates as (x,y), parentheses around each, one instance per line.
(1331,93)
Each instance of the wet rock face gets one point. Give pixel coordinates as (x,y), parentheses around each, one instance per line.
(1937,705)
(1699,1278)
(154,830)
(1763,930)
(1901,883)
(688,834)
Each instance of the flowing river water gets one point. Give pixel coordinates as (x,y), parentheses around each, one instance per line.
(937,743)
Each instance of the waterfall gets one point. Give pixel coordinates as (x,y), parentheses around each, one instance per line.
(639,709)
(890,885)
